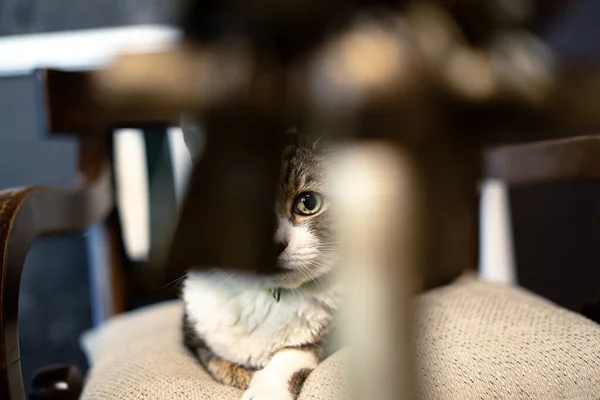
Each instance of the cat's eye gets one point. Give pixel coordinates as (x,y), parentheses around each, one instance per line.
(308,203)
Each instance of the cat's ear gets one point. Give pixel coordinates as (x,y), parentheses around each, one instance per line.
(192,134)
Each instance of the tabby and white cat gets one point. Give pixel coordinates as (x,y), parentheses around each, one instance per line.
(266,334)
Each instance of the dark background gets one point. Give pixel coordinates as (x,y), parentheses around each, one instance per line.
(556,226)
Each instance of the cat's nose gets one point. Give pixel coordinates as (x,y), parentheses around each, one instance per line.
(281,246)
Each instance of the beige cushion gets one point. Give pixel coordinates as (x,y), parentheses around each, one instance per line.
(485,341)
(474,341)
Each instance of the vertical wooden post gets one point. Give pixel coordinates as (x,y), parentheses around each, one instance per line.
(379,216)
(108,275)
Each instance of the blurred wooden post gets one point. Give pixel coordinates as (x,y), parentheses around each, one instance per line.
(377,199)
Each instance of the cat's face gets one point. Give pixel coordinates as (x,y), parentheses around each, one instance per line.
(304,229)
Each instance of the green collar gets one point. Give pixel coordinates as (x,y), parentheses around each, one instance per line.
(276,292)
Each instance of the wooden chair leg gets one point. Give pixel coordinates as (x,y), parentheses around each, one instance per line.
(106,267)
(163,204)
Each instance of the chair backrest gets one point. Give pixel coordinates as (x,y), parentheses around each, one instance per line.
(116,138)
(68,110)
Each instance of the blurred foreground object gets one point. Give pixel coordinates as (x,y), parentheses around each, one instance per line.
(381,182)
(427,76)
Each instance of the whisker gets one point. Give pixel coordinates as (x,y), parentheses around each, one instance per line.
(228,277)
(174,283)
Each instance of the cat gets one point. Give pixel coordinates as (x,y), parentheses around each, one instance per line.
(264,335)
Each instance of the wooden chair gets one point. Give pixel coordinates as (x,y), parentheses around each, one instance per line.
(28,213)
(431,238)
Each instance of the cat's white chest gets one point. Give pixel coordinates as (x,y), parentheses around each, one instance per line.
(246,325)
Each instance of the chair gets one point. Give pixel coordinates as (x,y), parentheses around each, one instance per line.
(473,340)
(31,212)
(139,354)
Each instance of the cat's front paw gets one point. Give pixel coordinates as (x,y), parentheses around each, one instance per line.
(265,393)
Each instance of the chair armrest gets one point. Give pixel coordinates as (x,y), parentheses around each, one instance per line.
(545,161)
(26,214)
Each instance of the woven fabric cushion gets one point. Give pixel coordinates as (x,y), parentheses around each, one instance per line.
(140,356)
(474,341)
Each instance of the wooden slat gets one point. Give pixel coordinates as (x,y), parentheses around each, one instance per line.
(552,160)
(72,108)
